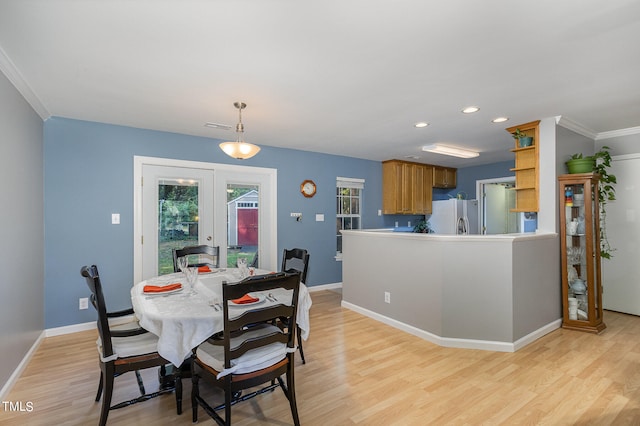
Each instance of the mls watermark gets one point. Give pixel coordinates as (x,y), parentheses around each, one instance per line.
(20,406)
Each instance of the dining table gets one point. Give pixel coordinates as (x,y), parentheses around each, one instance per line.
(185,317)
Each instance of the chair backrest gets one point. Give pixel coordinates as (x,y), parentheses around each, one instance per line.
(235,325)
(296,259)
(97,300)
(213,252)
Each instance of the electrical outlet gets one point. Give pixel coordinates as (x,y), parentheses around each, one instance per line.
(83,303)
(387,297)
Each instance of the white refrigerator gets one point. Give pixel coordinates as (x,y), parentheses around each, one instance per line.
(454,217)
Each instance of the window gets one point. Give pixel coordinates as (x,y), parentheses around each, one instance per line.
(348,207)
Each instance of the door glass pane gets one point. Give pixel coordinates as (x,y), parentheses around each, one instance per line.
(243,219)
(177,219)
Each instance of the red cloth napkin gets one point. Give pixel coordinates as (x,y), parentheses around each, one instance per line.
(245,299)
(203,269)
(161,288)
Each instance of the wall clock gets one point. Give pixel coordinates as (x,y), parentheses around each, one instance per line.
(308,188)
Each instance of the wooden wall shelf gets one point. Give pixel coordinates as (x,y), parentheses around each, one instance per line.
(526,168)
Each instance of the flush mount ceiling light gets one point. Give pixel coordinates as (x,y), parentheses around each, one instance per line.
(500,119)
(470,109)
(421,124)
(239,149)
(450,150)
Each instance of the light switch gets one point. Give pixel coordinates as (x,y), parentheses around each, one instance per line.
(319,217)
(115,218)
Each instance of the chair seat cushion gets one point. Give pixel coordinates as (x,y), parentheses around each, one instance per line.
(123,347)
(124,323)
(252,360)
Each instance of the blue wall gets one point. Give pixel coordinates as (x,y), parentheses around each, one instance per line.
(88,173)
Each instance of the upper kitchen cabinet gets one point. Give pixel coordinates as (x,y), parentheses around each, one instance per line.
(526,166)
(444,177)
(406,187)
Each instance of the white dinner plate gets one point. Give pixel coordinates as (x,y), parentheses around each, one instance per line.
(261,298)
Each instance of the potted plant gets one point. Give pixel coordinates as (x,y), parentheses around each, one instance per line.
(579,164)
(422,227)
(598,163)
(606,193)
(523,139)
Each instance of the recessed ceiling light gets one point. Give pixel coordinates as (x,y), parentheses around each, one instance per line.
(471,109)
(421,124)
(499,119)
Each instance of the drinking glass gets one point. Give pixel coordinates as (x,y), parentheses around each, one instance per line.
(183,262)
(191,274)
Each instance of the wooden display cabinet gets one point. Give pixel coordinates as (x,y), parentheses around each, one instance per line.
(580,248)
(444,177)
(406,187)
(526,169)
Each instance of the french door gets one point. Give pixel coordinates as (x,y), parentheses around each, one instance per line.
(179,203)
(177,212)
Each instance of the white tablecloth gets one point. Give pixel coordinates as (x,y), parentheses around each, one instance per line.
(182,321)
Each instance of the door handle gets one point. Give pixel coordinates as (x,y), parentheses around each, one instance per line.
(209,238)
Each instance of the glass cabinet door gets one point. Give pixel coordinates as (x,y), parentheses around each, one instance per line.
(582,298)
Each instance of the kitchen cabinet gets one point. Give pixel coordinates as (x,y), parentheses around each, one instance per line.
(526,169)
(444,177)
(580,250)
(406,187)
(423,189)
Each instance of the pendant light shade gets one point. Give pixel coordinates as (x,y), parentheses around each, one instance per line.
(239,148)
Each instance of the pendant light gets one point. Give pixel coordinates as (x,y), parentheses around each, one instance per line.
(239,148)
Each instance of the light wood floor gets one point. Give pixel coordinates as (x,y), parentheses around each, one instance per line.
(362,372)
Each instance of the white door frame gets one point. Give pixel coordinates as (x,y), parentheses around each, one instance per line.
(479,196)
(268,227)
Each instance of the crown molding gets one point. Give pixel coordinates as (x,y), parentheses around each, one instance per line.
(584,131)
(10,70)
(569,124)
(617,133)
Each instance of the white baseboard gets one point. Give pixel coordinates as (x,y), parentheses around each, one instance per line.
(450,342)
(68,329)
(331,286)
(536,334)
(18,371)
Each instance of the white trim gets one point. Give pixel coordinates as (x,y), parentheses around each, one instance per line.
(625,157)
(10,70)
(68,329)
(536,334)
(450,342)
(617,133)
(576,127)
(330,286)
(18,371)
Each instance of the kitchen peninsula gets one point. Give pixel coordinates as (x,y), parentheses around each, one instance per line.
(492,292)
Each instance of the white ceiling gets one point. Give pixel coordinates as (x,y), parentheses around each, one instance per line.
(346,77)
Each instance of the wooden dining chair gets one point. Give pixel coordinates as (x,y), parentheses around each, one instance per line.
(122,350)
(297,260)
(254,352)
(211,254)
